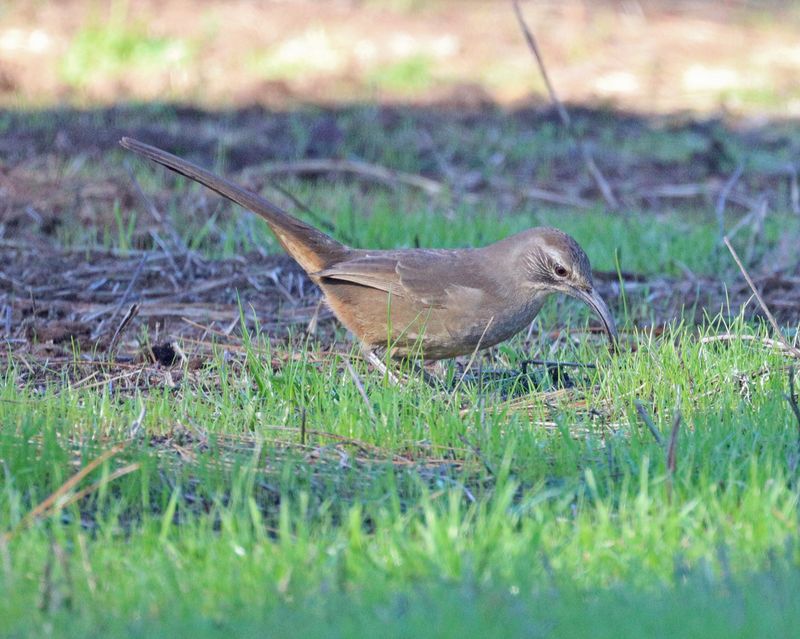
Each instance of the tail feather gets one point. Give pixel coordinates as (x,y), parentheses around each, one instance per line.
(310,247)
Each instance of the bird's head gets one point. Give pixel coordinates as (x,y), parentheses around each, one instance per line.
(552,260)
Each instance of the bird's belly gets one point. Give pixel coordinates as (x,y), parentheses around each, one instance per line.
(410,329)
(483,329)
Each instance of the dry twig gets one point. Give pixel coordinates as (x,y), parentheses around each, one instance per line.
(153,210)
(732,337)
(692,190)
(534,193)
(759,215)
(648,422)
(471,359)
(673,443)
(791,397)
(794,190)
(58,499)
(778,333)
(722,198)
(757,211)
(588,160)
(375,172)
(479,454)
(360,387)
(672,449)
(129,288)
(136,426)
(133,311)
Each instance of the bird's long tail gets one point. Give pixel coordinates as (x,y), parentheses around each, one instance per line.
(310,247)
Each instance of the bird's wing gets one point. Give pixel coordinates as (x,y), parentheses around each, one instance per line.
(432,277)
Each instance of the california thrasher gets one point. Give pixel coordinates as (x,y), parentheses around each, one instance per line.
(427,303)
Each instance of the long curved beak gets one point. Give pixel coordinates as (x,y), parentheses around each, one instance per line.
(596,303)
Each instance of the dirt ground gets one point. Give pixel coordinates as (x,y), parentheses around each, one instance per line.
(54,299)
(647,56)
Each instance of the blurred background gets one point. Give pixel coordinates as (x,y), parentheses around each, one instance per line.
(733,56)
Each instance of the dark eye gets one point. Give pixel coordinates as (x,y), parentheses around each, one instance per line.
(560,270)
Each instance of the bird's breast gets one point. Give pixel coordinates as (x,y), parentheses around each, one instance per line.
(497,322)
(470,319)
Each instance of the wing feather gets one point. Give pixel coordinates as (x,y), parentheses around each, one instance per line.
(432,277)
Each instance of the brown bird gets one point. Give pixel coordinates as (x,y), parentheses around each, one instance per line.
(426,303)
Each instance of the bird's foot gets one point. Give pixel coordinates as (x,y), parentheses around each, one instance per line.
(376,362)
(397,378)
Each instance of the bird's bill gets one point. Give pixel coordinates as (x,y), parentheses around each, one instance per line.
(596,303)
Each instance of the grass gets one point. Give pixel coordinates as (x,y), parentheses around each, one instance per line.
(661,244)
(309,54)
(261,494)
(110,49)
(410,75)
(556,528)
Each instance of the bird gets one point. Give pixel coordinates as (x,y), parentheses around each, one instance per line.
(421,303)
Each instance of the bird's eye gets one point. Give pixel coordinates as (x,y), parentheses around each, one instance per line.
(560,270)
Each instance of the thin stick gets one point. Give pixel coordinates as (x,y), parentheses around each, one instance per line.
(477,452)
(723,198)
(472,357)
(133,311)
(375,172)
(534,193)
(551,362)
(148,203)
(562,112)
(318,219)
(129,288)
(672,451)
(778,334)
(594,170)
(757,227)
(136,426)
(360,387)
(731,337)
(681,191)
(792,399)
(742,223)
(794,190)
(153,210)
(7,318)
(382,368)
(54,500)
(165,249)
(313,323)
(588,160)
(119,472)
(648,422)
(673,442)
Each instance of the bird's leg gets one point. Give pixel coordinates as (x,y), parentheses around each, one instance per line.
(377,362)
(431,379)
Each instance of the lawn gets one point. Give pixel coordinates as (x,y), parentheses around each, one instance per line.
(191,445)
(267,481)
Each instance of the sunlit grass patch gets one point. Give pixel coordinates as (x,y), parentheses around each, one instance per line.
(410,75)
(309,53)
(109,50)
(268,493)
